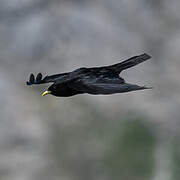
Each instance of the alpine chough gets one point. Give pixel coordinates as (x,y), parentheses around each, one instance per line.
(95,80)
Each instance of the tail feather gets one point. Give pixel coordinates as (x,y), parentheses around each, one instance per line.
(133,61)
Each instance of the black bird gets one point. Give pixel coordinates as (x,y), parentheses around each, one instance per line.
(96,80)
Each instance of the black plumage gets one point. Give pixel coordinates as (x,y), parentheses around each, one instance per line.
(96,80)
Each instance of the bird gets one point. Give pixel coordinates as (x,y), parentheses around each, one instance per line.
(104,80)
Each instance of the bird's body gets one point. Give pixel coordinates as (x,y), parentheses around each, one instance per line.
(96,80)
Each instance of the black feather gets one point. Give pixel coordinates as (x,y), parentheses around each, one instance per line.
(31,79)
(38,77)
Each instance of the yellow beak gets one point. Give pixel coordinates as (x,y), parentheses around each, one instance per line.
(46,92)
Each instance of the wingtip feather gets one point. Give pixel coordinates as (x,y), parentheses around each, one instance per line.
(38,77)
(145,56)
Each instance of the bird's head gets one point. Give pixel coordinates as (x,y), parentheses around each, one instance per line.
(53,90)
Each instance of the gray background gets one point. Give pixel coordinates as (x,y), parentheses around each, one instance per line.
(125,136)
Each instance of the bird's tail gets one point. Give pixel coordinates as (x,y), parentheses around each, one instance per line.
(133,61)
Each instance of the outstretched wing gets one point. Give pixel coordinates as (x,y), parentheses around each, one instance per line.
(133,61)
(46,79)
(104,86)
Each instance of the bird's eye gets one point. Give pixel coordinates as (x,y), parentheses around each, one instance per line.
(54,87)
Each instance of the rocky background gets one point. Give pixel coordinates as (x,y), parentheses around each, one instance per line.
(124,136)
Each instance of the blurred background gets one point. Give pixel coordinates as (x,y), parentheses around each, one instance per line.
(132,136)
